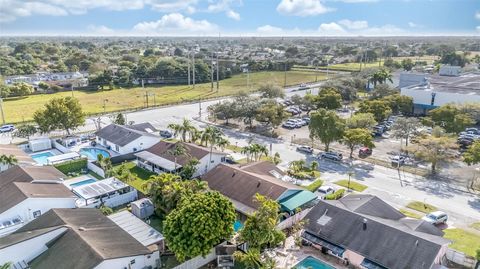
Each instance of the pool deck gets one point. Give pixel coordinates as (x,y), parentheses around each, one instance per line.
(87,144)
(290,255)
(74,180)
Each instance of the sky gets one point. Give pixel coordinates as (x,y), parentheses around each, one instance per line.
(240,17)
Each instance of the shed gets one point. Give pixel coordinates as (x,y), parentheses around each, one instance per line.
(40,144)
(142,208)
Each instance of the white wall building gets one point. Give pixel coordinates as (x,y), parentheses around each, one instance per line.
(110,192)
(125,139)
(76,238)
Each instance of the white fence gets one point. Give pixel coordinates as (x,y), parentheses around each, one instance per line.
(287,223)
(460,258)
(198,261)
(60,147)
(97,170)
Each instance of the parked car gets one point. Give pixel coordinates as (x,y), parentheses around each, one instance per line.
(305,149)
(364,152)
(7,128)
(324,191)
(334,156)
(437,217)
(166,134)
(398,160)
(229,159)
(288,125)
(306,119)
(472,130)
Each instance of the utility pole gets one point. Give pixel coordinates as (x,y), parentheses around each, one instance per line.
(193,66)
(1,106)
(285,76)
(248,78)
(146,98)
(105,106)
(217,71)
(316,73)
(188,65)
(143,85)
(72,89)
(211,72)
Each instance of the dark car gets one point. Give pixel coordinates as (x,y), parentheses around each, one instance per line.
(166,134)
(364,152)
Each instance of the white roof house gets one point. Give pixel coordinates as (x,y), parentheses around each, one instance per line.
(127,139)
(110,192)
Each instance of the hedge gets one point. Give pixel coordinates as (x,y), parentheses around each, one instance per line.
(72,166)
(336,195)
(353,185)
(313,187)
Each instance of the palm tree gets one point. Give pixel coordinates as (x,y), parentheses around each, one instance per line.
(6,265)
(178,150)
(223,143)
(124,174)
(105,163)
(212,135)
(251,258)
(247,150)
(296,166)
(8,160)
(184,129)
(381,76)
(258,150)
(314,166)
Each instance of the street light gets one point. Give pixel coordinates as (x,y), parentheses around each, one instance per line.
(350,173)
(104,105)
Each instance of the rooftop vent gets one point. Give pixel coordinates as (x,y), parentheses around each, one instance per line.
(82,229)
(259,183)
(364,224)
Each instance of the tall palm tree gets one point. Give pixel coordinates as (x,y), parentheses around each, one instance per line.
(212,135)
(247,150)
(6,265)
(381,76)
(178,150)
(258,151)
(297,166)
(223,143)
(183,129)
(8,160)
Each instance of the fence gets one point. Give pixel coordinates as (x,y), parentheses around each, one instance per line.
(60,147)
(122,158)
(289,222)
(460,258)
(97,170)
(198,261)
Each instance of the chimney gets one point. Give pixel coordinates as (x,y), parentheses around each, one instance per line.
(258,184)
(364,224)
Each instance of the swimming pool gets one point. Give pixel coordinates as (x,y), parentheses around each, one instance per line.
(237,225)
(83,182)
(41,158)
(92,153)
(311,262)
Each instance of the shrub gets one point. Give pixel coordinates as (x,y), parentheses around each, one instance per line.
(106,210)
(336,195)
(313,187)
(72,166)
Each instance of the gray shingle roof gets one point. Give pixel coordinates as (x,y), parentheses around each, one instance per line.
(22,157)
(387,240)
(120,135)
(143,127)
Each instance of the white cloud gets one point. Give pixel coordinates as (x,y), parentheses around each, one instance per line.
(173,5)
(12,9)
(269,30)
(176,24)
(99,30)
(478,28)
(354,25)
(358,1)
(233,15)
(302,7)
(413,25)
(477,15)
(331,29)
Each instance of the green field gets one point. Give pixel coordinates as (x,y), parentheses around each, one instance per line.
(422,207)
(353,185)
(22,109)
(463,241)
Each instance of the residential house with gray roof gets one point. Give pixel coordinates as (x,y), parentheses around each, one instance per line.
(125,139)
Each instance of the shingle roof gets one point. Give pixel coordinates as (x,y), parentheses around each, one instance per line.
(21,182)
(120,135)
(146,127)
(22,157)
(91,238)
(241,186)
(390,242)
(162,149)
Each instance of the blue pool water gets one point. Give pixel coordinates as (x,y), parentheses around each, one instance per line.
(41,158)
(92,153)
(83,182)
(237,225)
(311,262)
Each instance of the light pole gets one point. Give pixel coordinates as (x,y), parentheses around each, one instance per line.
(104,105)
(350,173)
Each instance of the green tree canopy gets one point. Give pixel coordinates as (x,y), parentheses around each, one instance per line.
(407,64)
(120,119)
(60,113)
(328,98)
(326,126)
(21,89)
(400,103)
(361,120)
(472,155)
(404,128)
(379,108)
(270,90)
(25,131)
(200,222)
(450,118)
(271,113)
(357,137)
(435,150)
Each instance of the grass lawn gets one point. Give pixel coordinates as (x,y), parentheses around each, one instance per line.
(353,185)
(313,187)
(142,176)
(463,241)
(422,207)
(234,148)
(410,213)
(22,108)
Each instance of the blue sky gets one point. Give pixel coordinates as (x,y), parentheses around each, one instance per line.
(240,17)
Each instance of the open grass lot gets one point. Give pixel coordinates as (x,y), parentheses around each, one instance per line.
(353,185)
(463,241)
(422,207)
(427,58)
(22,109)
(142,176)
(410,213)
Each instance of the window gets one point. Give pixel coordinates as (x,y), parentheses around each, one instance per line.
(117,148)
(132,261)
(37,213)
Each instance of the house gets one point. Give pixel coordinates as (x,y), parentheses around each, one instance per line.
(75,238)
(22,158)
(369,233)
(26,192)
(125,139)
(110,192)
(241,183)
(159,158)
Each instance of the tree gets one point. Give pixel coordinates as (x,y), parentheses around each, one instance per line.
(328,98)
(452,58)
(326,126)
(21,89)
(381,76)
(270,90)
(472,155)
(381,91)
(166,190)
(25,131)
(44,86)
(271,113)
(199,223)
(60,113)
(361,120)
(297,166)
(184,129)
(106,210)
(400,103)
(450,118)
(247,107)
(434,150)
(6,265)
(189,169)
(357,137)
(120,119)
(4,91)
(250,259)
(224,110)
(106,164)
(8,160)
(407,64)
(404,128)
(379,108)
(124,174)
(254,152)
(212,135)
(275,159)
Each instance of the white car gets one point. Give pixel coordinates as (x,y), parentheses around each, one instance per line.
(437,217)
(331,155)
(7,128)
(324,191)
